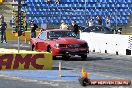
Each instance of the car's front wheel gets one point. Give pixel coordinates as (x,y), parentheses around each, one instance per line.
(84,57)
(66,57)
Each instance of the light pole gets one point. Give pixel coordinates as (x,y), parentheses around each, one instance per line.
(19,23)
(85,13)
(116,15)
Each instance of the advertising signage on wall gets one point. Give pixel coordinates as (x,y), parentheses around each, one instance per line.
(23,61)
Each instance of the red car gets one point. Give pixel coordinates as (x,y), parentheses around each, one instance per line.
(61,43)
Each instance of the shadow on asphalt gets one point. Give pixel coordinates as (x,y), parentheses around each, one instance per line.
(97,58)
(57,68)
(70,76)
(80,59)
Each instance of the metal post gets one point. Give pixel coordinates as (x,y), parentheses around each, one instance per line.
(116,13)
(60,16)
(60,74)
(85,14)
(19,23)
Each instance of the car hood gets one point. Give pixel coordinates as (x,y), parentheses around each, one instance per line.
(69,40)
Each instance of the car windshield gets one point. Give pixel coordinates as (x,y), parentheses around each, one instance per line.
(57,34)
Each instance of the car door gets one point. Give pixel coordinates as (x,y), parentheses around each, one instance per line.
(42,42)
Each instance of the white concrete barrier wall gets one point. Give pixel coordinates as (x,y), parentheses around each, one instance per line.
(108,43)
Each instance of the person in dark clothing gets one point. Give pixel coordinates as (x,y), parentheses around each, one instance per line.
(57,1)
(75,28)
(33,29)
(48,2)
(3,32)
(108,23)
(99,19)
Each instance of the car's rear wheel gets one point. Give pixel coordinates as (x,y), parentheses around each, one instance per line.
(49,50)
(33,47)
(84,57)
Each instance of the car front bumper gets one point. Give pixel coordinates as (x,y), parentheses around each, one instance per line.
(65,51)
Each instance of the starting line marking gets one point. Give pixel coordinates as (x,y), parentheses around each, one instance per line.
(30,80)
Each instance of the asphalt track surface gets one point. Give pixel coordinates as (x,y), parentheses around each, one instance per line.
(103,65)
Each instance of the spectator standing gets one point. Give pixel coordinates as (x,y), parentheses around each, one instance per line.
(33,29)
(3,31)
(99,19)
(57,1)
(90,22)
(108,23)
(75,28)
(48,2)
(63,25)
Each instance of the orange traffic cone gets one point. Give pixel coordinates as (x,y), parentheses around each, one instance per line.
(86,74)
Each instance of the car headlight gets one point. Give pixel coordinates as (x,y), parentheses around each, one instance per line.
(56,45)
